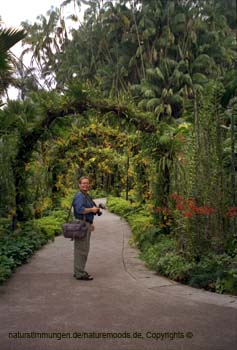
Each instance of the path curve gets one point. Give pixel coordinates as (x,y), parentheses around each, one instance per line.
(126,306)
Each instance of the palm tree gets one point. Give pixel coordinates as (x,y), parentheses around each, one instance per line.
(46,41)
(8,38)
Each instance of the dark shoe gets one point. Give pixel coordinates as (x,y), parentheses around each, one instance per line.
(85,278)
(86,274)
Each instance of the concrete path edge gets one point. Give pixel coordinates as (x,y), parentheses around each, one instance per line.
(137,269)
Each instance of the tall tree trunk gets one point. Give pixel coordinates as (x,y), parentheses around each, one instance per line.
(127,178)
(233,182)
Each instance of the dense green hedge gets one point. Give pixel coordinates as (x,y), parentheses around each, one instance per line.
(17,247)
(213,272)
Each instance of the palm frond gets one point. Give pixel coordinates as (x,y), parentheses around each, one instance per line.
(10,36)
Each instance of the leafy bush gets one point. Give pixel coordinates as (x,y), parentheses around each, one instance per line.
(162,258)
(213,272)
(228,283)
(138,218)
(5,225)
(6,266)
(141,228)
(98,193)
(51,226)
(174,266)
(152,253)
(17,247)
(121,206)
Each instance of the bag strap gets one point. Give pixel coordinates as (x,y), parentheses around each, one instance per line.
(69,213)
(70,210)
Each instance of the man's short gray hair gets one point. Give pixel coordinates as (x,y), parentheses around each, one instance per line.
(83,178)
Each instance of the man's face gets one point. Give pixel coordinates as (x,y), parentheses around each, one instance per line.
(84,185)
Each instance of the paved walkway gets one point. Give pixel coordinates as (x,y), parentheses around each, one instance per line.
(126,307)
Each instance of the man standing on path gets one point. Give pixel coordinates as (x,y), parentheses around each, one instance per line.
(84,208)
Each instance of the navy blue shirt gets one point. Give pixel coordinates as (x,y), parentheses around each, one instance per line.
(81,202)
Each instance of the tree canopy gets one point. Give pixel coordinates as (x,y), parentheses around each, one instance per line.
(140,96)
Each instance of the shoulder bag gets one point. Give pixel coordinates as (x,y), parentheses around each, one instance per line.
(76,229)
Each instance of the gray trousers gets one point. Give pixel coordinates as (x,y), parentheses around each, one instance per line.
(81,251)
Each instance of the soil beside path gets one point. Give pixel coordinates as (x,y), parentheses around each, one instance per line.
(125,307)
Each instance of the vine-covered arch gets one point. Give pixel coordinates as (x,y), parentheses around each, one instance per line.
(28,141)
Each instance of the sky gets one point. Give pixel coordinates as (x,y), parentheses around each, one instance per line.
(13,12)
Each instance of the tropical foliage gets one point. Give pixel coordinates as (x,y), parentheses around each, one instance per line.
(141,96)
(8,38)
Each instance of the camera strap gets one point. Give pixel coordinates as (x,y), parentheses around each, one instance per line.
(90,200)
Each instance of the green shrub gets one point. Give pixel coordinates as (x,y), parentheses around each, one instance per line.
(17,247)
(138,218)
(174,266)
(98,193)
(141,227)
(151,256)
(6,267)
(51,226)
(159,251)
(121,206)
(5,225)
(163,258)
(228,282)
(214,273)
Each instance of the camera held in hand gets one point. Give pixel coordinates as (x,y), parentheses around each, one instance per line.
(100,206)
(99,213)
